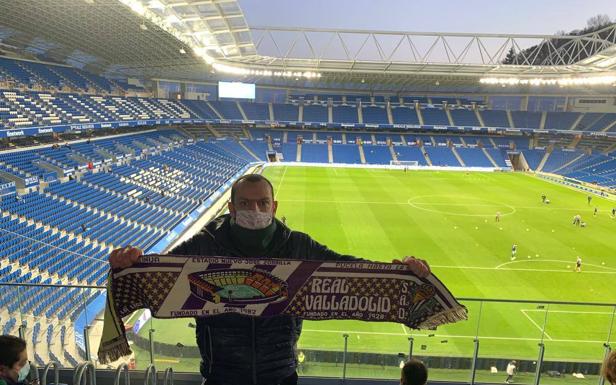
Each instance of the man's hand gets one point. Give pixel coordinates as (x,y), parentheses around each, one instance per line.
(124,257)
(419,267)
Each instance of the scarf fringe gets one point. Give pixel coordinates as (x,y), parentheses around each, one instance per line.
(113,350)
(455,314)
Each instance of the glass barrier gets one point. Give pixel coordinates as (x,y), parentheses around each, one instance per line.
(508,342)
(576,337)
(521,342)
(53,319)
(175,345)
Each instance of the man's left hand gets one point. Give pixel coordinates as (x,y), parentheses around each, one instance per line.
(419,267)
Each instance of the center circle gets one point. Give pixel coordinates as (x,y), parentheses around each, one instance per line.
(449,208)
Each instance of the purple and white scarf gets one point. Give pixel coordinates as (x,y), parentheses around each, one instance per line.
(174,286)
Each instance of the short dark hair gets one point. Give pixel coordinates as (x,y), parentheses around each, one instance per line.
(10,349)
(414,372)
(251,178)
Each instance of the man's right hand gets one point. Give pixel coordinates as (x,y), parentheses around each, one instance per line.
(124,257)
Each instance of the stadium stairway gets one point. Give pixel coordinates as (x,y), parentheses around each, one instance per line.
(455,153)
(487,154)
(425,154)
(544,160)
(610,149)
(479,118)
(362,155)
(569,163)
(248,150)
(298,157)
(392,151)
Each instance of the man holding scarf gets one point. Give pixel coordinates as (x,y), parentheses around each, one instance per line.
(238,349)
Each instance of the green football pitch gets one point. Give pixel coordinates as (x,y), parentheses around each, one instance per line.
(448,218)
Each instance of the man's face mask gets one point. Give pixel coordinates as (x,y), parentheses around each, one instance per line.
(23,372)
(253,220)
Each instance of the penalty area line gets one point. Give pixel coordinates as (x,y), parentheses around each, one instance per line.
(449,336)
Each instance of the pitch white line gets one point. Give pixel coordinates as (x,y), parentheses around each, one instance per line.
(426,203)
(520,269)
(537,325)
(280,183)
(551,260)
(459,204)
(343,202)
(340,332)
(404,330)
(571,311)
(532,260)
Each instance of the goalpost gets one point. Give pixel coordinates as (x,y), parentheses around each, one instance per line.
(404,162)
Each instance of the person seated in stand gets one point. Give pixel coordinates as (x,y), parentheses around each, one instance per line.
(14,364)
(414,372)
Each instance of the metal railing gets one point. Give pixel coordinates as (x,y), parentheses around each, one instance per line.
(350,357)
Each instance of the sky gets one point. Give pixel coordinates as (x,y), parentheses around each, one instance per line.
(536,17)
(481,16)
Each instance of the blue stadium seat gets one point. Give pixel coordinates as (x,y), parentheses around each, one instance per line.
(316,153)
(286,112)
(343,114)
(315,113)
(346,153)
(256,111)
(375,115)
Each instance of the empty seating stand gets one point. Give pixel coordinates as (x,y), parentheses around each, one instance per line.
(65,233)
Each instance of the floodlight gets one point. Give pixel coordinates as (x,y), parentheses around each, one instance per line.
(171,19)
(560,81)
(137,7)
(156,4)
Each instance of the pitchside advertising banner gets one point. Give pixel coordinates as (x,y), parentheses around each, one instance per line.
(133,123)
(7,188)
(93,126)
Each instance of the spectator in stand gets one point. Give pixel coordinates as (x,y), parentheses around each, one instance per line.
(14,364)
(414,372)
(608,371)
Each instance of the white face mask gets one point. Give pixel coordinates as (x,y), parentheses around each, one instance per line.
(253,220)
(23,372)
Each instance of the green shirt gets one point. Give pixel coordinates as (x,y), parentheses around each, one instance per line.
(252,243)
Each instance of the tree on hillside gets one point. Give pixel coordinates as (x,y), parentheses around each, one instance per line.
(539,53)
(598,21)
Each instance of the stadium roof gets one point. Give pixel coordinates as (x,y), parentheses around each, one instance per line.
(188,39)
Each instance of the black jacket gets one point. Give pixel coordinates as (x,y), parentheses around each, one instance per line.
(238,349)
